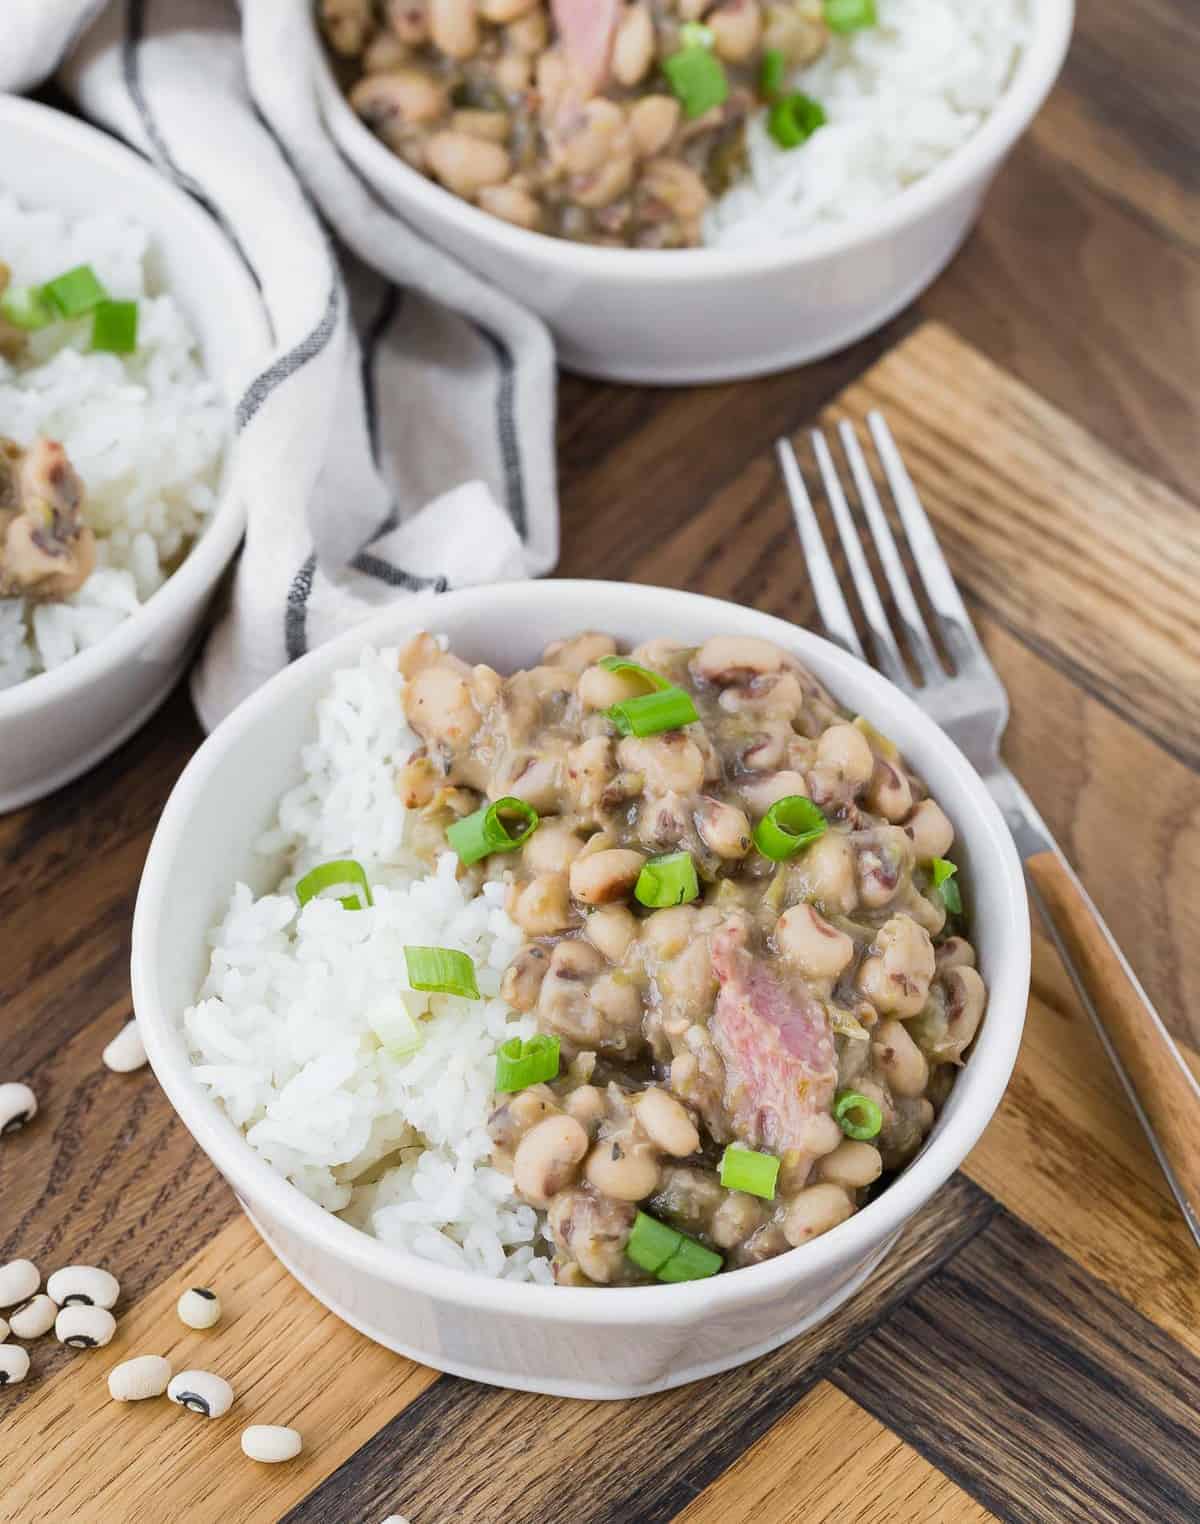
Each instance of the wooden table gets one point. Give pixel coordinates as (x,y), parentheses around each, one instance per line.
(1032,1351)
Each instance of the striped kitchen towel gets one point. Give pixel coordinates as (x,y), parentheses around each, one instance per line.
(399,439)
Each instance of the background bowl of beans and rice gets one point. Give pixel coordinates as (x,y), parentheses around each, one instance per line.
(689,191)
(274,1039)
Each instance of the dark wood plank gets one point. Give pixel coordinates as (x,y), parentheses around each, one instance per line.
(1036,1389)
(478,1455)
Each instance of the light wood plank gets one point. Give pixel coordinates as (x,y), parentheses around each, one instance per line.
(830,1462)
(83,1456)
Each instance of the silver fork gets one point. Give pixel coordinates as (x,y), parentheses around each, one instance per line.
(971,705)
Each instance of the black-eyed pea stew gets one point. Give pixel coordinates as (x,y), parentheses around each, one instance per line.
(746,951)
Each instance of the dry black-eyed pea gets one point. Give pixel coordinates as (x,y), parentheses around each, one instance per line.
(143,1376)
(83,1285)
(14,1364)
(84,1327)
(18,1107)
(271,1443)
(125,1052)
(19,1279)
(199,1307)
(202,1392)
(33,1318)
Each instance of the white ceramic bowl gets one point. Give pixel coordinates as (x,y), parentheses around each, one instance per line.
(577,1342)
(58,724)
(667,317)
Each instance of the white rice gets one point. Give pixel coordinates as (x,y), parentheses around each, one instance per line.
(290,1033)
(900,97)
(145,431)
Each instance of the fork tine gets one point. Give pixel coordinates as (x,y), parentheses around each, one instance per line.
(915,632)
(835,615)
(886,649)
(957,629)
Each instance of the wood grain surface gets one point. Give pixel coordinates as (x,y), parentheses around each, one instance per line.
(1031,1350)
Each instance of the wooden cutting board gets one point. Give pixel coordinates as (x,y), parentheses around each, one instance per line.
(1030,1351)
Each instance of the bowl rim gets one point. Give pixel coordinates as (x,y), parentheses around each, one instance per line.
(215,546)
(247,1172)
(1050,27)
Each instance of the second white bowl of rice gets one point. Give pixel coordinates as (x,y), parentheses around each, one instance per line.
(819,246)
(149,434)
(370,1178)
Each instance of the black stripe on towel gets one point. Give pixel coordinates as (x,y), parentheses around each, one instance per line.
(135,31)
(510,450)
(296,358)
(396,576)
(295,620)
(393,300)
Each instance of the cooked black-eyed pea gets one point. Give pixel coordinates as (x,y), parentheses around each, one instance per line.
(19,1279)
(84,1327)
(135,1380)
(83,1286)
(125,1052)
(34,1317)
(18,1107)
(202,1392)
(271,1443)
(14,1364)
(199,1307)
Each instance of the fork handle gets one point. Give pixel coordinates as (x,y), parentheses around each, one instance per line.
(1161,1086)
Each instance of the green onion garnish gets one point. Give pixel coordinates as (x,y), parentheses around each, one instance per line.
(114,327)
(649,714)
(794,119)
(654,680)
(519,1064)
(773,73)
(694,34)
(791,824)
(25,307)
(485,832)
(74,292)
(743,1169)
(389,1019)
(857,1115)
(669,1255)
(669,880)
(336,874)
(698,80)
(943,871)
(441,971)
(850,15)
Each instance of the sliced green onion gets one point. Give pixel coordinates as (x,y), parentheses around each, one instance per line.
(651,1243)
(485,832)
(335,875)
(744,1169)
(669,880)
(857,1115)
(114,327)
(794,119)
(390,1020)
(850,15)
(773,73)
(942,871)
(520,1064)
(791,824)
(669,1255)
(25,307)
(442,971)
(694,34)
(74,292)
(653,680)
(649,714)
(698,80)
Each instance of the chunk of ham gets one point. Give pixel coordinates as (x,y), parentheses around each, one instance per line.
(586,29)
(777,1046)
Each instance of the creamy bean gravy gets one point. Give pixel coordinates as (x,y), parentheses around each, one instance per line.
(737,1018)
(559,117)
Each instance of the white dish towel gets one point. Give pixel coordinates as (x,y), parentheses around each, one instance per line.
(399,439)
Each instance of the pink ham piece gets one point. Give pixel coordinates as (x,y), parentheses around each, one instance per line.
(777,1046)
(586,29)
